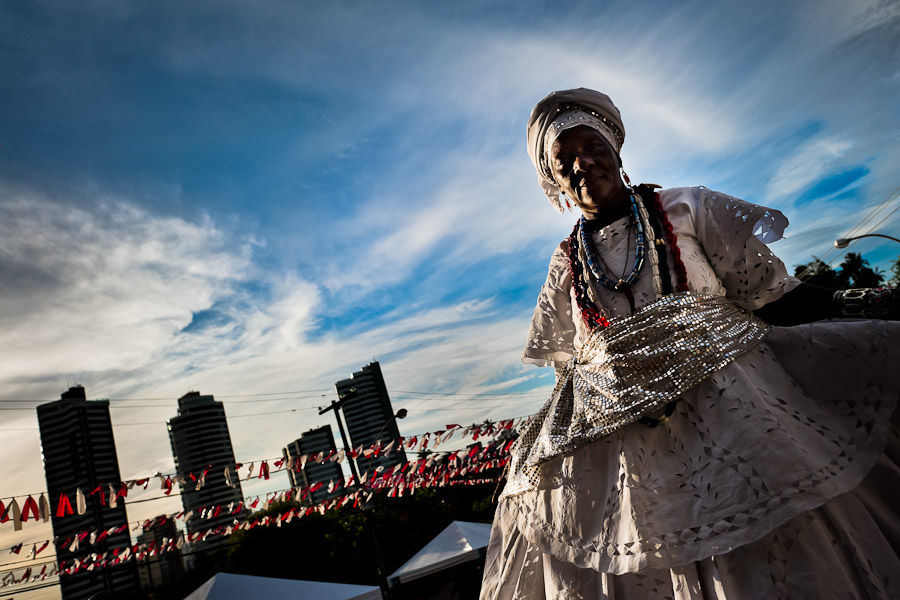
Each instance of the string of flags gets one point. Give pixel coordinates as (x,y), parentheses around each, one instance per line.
(396,481)
(435,470)
(75,502)
(98,560)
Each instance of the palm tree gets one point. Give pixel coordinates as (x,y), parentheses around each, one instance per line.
(817,272)
(895,269)
(855,272)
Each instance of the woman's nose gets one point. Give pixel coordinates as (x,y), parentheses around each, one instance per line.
(582,163)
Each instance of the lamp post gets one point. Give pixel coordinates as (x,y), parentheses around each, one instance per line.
(373,539)
(400,414)
(844,242)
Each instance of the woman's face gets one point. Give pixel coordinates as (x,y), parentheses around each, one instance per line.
(586,168)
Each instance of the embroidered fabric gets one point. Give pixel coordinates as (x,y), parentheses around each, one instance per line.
(755,462)
(846,549)
(629,370)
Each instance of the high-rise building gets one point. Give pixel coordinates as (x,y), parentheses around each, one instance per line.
(311,443)
(201,444)
(161,567)
(369,416)
(79,452)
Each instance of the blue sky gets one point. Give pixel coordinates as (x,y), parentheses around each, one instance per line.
(244,198)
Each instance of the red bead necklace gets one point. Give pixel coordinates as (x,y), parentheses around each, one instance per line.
(590,313)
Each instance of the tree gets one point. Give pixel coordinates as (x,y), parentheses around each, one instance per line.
(334,545)
(853,272)
(895,269)
(817,272)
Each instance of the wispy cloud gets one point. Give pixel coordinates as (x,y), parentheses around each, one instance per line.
(101,289)
(809,164)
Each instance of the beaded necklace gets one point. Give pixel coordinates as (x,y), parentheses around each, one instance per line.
(589,311)
(592,315)
(624,283)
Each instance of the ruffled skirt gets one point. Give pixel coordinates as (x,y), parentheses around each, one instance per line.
(776,478)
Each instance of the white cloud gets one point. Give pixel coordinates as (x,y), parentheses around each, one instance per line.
(102,288)
(809,163)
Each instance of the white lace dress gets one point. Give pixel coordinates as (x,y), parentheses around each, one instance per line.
(776,477)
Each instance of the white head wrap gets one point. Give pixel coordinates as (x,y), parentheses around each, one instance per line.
(563,110)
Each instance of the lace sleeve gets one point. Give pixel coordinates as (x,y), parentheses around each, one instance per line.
(734,234)
(551,338)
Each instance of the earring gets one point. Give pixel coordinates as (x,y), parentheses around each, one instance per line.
(564,201)
(624,177)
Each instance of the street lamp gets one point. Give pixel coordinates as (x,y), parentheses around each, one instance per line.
(844,242)
(373,538)
(401,414)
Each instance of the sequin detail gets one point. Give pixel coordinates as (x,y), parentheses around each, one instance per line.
(631,369)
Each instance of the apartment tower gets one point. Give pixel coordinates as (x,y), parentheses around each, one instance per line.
(310,443)
(369,416)
(201,444)
(79,453)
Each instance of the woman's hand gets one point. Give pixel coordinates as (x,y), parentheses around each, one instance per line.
(807,303)
(803,304)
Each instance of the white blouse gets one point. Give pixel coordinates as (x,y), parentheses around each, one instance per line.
(722,244)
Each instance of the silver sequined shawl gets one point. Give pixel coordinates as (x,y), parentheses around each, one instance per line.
(630,369)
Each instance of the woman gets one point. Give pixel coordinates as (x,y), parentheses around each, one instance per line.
(702,441)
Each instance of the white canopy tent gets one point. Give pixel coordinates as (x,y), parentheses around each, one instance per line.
(460,542)
(227,586)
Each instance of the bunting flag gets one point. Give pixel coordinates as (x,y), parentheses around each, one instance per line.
(99,490)
(16,515)
(40,509)
(435,470)
(200,481)
(44,508)
(64,508)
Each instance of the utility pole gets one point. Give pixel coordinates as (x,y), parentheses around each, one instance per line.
(336,405)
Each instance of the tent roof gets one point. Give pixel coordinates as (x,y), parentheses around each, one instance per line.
(458,543)
(228,586)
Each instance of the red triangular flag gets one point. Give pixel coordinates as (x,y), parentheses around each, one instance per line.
(64,508)
(30,506)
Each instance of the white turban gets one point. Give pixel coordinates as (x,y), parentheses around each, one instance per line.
(563,110)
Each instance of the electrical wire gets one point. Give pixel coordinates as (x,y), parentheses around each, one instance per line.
(834,254)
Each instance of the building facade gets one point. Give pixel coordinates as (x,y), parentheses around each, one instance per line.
(79,453)
(201,444)
(161,567)
(369,416)
(310,443)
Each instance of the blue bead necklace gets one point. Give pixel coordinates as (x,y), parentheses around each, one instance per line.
(624,283)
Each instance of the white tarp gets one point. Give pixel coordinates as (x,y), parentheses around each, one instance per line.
(227,586)
(458,543)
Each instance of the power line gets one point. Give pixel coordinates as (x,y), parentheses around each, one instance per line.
(833,254)
(257,460)
(299,395)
